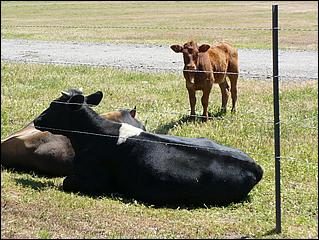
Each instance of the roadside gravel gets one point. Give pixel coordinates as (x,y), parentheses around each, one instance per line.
(300,65)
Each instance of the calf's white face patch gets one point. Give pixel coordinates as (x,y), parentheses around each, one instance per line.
(126,131)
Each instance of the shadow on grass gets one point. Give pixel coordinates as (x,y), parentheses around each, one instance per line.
(39,186)
(132,201)
(20,170)
(270,232)
(34,184)
(164,129)
(257,236)
(219,114)
(186,206)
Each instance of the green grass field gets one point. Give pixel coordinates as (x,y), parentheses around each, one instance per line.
(34,206)
(165,20)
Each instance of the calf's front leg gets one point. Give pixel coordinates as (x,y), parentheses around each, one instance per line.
(192,101)
(205,99)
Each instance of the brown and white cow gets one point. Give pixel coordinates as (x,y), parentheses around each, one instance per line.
(206,65)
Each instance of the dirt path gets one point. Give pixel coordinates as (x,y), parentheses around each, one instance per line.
(293,64)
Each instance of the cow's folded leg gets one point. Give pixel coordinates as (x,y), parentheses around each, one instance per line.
(88,184)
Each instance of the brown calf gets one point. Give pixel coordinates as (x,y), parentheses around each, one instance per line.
(205,65)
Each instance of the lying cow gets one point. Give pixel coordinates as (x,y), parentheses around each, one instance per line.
(154,168)
(199,65)
(43,152)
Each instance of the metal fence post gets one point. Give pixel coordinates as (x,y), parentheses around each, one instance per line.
(276,114)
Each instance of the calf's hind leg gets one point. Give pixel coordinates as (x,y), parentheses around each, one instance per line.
(233,89)
(233,70)
(224,88)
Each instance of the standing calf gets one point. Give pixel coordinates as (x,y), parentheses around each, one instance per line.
(206,65)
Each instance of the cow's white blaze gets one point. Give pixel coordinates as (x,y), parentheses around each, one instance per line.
(126,131)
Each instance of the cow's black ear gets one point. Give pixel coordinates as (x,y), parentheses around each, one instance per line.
(75,102)
(94,98)
(177,48)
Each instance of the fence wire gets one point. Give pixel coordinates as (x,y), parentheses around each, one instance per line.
(311,124)
(158,142)
(288,158)
(161,28)
(242,73)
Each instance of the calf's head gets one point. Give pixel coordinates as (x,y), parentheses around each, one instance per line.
(191,53)
(124,116)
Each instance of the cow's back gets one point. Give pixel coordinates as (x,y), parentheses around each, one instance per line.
(223,57)
(185,170)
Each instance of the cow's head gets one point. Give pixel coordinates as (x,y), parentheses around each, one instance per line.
(59,114)
(191,53)
(92,99)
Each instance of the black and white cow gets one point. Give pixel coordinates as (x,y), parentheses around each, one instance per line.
(158,169)
(52,154)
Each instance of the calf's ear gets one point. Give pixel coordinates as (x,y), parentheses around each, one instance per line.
(133,112)
(203,48)
(177,48)
(75,102)
(94,98)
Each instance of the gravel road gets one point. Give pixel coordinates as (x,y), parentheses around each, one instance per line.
(141,57)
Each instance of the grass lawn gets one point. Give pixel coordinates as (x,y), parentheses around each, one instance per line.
(162,22)
(34,206)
